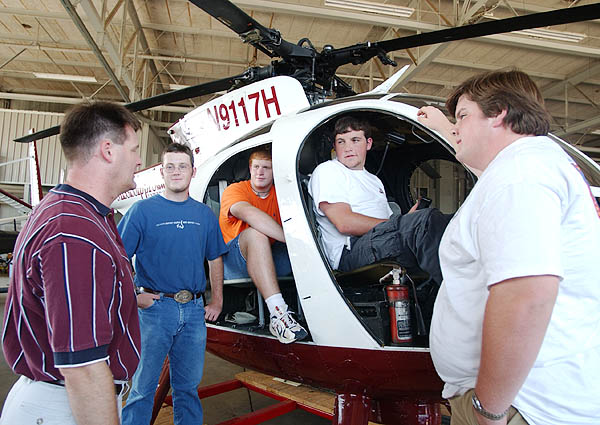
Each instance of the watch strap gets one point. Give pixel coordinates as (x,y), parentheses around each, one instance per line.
(489,415)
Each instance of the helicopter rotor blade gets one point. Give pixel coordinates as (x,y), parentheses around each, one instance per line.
(185,93)
(517,23)
(267,40)
(360,53)
(159,100)
(230,15)
(235,19)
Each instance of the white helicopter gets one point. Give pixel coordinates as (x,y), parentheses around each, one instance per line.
(349,349)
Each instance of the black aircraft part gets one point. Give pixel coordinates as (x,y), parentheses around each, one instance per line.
(229,15)
(151,102)
(186,93)
(360,53)
(534,20)
(267,40)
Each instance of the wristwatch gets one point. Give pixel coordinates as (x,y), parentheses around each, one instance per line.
(479,409)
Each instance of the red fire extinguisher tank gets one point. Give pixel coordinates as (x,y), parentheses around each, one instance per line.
(399,309)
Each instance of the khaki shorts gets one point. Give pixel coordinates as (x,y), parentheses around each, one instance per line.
(464,414)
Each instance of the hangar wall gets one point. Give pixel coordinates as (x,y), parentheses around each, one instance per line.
(14,176)
(15,123)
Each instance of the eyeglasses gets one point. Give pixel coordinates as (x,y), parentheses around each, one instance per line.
(170,168)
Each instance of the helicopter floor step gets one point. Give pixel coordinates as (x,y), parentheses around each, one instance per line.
(320,402)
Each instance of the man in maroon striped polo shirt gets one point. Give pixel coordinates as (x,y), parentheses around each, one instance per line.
(71,326)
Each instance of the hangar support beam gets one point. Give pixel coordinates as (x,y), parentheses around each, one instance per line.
(142,39)
(113,52)
(579,127)
(573,79)
(92,43)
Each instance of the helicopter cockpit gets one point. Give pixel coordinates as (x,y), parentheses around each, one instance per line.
(412,163)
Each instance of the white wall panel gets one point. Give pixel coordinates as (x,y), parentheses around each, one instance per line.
(17,123)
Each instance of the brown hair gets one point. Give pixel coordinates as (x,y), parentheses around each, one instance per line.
(177,147)
(353,123)
(86,123)
(261,152)
(513,91)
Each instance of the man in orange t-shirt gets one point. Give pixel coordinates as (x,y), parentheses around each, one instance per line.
(251,226)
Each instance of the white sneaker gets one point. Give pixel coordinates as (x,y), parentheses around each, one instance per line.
(286,329)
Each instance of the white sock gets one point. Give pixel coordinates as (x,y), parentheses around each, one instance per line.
(276,300)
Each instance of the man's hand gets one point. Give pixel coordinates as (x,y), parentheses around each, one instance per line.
(414,207)
(435,119)
(213,309)
(145,299)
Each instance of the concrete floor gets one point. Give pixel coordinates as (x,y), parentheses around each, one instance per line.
(216,409)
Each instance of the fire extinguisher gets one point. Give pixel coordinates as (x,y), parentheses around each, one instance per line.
(399,308)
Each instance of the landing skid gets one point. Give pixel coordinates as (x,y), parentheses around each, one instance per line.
(341,409)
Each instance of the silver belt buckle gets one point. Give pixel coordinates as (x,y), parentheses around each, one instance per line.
(183,296)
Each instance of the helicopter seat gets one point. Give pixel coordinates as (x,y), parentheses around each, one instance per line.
(366,275)
(370,273)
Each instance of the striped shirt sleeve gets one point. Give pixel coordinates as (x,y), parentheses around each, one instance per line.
(79,285)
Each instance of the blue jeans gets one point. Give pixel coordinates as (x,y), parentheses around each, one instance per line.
(234,263)
(179,330)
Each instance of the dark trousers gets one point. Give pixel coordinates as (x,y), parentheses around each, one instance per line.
(412,240)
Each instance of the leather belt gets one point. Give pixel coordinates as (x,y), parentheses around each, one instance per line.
(184,296)
(61,383)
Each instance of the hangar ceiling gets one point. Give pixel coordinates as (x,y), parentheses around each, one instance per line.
(60,51)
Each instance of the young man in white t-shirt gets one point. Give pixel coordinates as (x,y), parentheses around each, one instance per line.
(352,211)
(515,329)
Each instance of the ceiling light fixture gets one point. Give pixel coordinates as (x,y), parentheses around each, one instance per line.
(65,77)
(571,37)
(371,7)
(177,86)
